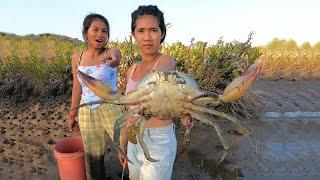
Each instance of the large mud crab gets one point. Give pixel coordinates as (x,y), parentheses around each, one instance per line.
(174,94)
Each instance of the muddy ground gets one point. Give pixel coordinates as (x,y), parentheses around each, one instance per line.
(284,146)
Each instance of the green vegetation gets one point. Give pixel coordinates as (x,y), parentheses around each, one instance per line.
(38,56)
(212,65)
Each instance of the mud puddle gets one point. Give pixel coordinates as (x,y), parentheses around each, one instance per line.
(292,114)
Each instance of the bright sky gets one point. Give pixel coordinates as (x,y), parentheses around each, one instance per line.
(205,20)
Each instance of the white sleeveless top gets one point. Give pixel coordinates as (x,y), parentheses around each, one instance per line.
(103,72)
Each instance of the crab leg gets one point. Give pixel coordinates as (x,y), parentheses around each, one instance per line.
(120,151)
(121,121)
(240,85)
(141,92)
(209,94)
(97,87)
(205,101)
(129,114)
(105,92)
(203,118)
(118,102)
(223,115)
(141,142)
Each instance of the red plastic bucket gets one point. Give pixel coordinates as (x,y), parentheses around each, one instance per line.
(70,158)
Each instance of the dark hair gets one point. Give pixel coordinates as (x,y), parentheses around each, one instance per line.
(149,10)
(88,20)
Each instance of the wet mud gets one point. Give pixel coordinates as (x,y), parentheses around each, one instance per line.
(282,146)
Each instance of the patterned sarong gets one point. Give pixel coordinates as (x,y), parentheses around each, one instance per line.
(95,126)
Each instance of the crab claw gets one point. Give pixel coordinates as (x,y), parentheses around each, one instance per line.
(240,85)
(97,87)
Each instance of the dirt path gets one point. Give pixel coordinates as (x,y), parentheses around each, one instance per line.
(287,146)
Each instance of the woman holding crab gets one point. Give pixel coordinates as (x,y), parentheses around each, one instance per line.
(149,30)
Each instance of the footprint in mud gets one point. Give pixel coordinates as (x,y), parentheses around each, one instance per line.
(3,131)
(210,167)
(51,142)
(10,142)
(2,150)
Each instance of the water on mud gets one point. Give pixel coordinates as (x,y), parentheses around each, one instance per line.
(287,132)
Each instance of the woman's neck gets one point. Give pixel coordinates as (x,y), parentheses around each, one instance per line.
(150,59)
(93,52)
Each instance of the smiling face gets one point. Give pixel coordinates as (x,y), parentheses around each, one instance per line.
(97,34)
(147,34)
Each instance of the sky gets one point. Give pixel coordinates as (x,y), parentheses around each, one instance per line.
(204,20)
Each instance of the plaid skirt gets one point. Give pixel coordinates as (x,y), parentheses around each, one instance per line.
(97,124)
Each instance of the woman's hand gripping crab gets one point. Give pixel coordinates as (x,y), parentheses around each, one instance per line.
(174,94)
